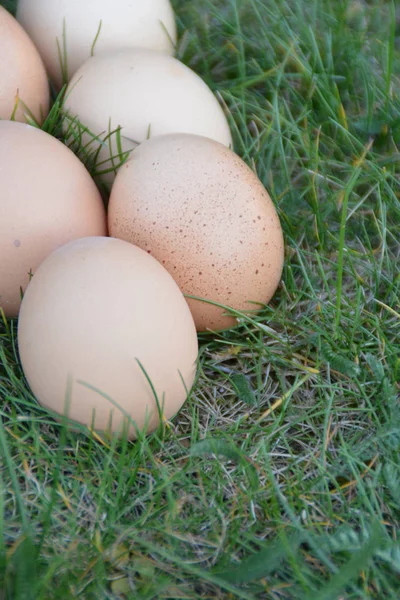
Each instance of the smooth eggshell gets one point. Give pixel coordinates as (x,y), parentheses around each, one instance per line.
(115,24)
(47,198)
(23,78)
(203,213)
(93,311)
(146,94)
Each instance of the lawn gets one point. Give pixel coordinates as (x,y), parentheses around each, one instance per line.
(280,479)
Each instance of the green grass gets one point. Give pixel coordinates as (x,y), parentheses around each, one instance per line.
(280,479)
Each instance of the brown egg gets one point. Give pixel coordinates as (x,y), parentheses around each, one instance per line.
(23,79)
(195,206)
(101,324)
(47,198)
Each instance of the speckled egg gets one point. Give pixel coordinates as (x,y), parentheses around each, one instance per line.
(106,337)
(47,198)
(202,212)
(24,89)
(68,32)
(129,96)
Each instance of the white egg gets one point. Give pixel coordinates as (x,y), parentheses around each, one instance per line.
(79,29)
(145,94)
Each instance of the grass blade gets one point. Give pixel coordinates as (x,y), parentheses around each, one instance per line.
(243,389)
(351,570)
(262,563)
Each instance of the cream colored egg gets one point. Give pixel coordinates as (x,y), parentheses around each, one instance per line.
(105,334)
(80,28)
(146,94)
(202,212)
(24,89)
(47,198)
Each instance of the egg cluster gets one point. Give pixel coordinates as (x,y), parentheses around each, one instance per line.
(110,301)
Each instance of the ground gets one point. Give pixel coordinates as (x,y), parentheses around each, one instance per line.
(280,479)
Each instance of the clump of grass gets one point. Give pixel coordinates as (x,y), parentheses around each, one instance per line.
(280,478)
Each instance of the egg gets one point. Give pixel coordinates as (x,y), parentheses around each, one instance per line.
(146,94)
(106,337)
(202,212)
(24,89)
(47,198)
(79,29)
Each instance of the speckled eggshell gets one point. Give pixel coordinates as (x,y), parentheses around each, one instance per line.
(82,28)
(23,79)
(100,320)
(145,93)
(47,198)
(202,212)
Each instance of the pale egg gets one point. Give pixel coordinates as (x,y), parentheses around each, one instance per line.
(47,198)
(145,94)
(24,88)
(106,337)
(68,32)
